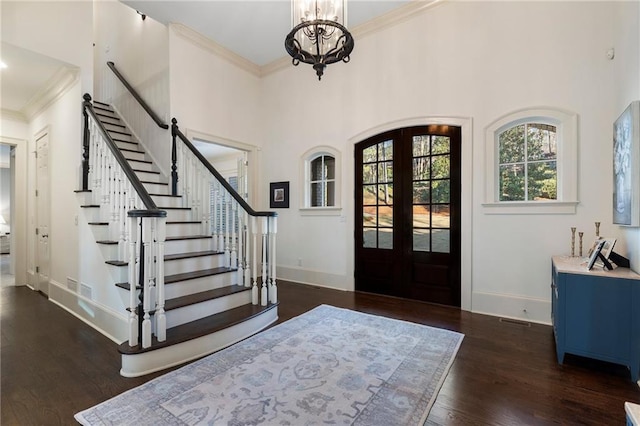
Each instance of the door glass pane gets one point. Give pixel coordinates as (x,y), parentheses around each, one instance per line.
(369,195)
(385,171)
(385,216)
(440,191)
(441,145)
(421,217)
(421,239)
(421,168)
(385,151)
(441,216)
(440,166)
(369,173)
(421,145)
(385,238)
(385,194)
(369,154)
(369,216)
(421,192)
(369,237)
(441,238)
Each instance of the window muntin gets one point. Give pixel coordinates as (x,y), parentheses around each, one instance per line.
(377,195)
(527,164)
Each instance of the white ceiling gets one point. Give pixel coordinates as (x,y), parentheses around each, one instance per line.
(253,29)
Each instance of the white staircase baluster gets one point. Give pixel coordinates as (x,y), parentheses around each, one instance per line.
(265,278)
(273,230)
(148,256)
(161,320)
(234,248)
(227,214)
(254,281)
(220,218)
(214,215)
(134,232)
(240,261)
(247,258)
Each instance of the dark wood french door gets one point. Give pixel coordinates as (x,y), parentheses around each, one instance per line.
(407,215)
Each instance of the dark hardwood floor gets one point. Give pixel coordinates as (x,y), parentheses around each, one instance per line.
(53,365)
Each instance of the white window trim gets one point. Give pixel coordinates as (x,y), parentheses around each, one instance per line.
(305,208)
(567,162)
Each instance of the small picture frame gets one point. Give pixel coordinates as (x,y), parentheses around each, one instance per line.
(596,252)
(279,195)
(608,246)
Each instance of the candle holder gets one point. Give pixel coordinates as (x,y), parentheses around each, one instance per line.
(573,241)
(597,229)
(580,234)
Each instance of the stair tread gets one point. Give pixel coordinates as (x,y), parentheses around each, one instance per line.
(170,279)
(186,237)
(131,150)
(119,132)
(166,195)
(140,161)
(200,327)
(182,222)
(169,257)
(89,206)
(107,242)
(153,172)
(117,262)
(203,296)
(156,183)
(98,223)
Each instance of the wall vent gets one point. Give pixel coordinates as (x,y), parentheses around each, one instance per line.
(515,321)
(72,284)
(86,291)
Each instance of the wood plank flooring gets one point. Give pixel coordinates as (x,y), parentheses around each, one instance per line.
(53,365)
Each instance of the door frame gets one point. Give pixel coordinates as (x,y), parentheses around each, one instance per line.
(45,132)
(466,202)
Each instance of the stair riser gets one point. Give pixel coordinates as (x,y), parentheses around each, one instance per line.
(108,120)
(156,188)
(138,165)
(190,313)
(149,177)
(114,127)
(126,145)
(100,232)
(186,246)
(198,285)
(109,251)
(122,137)
(130,155)
(178,215)
(181,266)
(167,201)
(182,229)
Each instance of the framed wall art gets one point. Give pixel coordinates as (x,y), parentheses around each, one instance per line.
(626,167)
(279,195)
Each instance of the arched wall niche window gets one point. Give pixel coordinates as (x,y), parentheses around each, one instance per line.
(321,179)
(531,163)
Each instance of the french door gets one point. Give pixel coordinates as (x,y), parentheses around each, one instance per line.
(407,216)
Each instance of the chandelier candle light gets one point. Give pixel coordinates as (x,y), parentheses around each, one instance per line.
(319,36)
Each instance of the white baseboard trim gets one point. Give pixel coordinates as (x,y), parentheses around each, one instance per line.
(101,318)
(514,307)
(315,278)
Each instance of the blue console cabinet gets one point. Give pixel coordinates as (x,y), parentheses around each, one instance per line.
(596,313)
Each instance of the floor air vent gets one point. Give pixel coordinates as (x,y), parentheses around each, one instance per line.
(515,321)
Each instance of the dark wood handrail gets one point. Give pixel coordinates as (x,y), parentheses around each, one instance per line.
(126,168)
(135,94)
(175,132)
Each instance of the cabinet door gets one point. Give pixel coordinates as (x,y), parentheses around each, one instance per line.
(598,317)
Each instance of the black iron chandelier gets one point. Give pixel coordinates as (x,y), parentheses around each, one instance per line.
(319,36)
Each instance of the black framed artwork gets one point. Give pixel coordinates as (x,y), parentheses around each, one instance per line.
(279,195)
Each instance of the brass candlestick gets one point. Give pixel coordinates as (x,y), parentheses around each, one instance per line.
(597,229)
(573,241)
(580,234)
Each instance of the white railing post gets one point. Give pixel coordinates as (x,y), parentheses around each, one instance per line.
(134,241)
(227,242)
(247,249)
(146,286)
(233,259)
(265,278)
(254,278)
(161,320)
(240,272)
(273,230)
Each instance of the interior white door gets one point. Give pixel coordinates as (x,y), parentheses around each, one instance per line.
(42,213)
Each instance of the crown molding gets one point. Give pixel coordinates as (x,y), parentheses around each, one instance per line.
(52,90)
(207,44)
(12,115)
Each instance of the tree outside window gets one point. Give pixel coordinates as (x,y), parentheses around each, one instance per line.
(528,163)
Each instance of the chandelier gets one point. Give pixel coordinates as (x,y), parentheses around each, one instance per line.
(319,36)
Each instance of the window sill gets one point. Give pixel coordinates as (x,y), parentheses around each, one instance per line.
(530,207)
(320,211)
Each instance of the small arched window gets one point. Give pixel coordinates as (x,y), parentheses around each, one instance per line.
(531,162)
(321,179)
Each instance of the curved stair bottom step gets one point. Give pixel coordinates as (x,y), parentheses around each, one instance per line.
(135,365)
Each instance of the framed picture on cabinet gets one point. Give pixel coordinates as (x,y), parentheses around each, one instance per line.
(626,167)
(596,252)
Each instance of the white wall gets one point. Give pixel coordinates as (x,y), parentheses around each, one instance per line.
(627,89)
(478,60)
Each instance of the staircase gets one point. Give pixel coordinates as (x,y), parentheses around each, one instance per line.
(210,301)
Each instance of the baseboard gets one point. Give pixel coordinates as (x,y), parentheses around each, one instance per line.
(109,323)
(315,278)
(515,307)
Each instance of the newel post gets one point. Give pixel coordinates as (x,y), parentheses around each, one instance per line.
(174,157)
(85,142)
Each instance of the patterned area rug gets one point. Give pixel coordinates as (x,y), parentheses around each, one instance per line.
(328,366)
